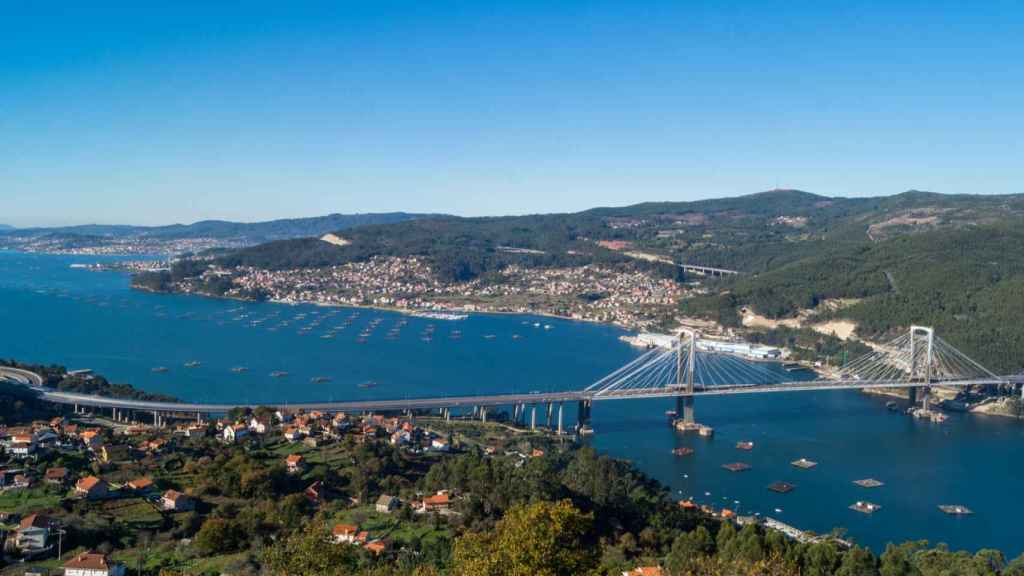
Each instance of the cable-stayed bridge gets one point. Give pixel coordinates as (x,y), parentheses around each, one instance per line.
(692,367)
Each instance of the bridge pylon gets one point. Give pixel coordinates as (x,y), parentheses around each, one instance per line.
(921,336)
(686,355)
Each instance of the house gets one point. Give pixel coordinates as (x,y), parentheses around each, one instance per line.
(439,502)
(296,463)
(400,438)
(56,476)
(33,533)
(260,424)
(312,442)
(235,433)
(197,431)
(644,571)
(378,547)
(21,481)
(345,533)
(316,493)
(92,488)
(293,434)
(92,564)
(140,485)
(92,439)
(386,503)
(22,445)
(439,445)
(174,501)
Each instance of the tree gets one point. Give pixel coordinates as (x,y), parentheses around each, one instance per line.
(898,560)
(858,562)
(218,535)
(309,552)
(688,548)
(540,539)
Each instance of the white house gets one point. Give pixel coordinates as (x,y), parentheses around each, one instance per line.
(92,564)
(235,433)
(33,533)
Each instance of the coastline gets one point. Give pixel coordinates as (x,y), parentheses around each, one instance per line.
(394,309)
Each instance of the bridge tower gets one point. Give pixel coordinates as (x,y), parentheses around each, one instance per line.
(921,336)
(685,361)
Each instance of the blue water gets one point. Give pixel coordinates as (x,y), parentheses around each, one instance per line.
(81,319)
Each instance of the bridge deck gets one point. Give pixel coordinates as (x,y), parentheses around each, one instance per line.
(34,381)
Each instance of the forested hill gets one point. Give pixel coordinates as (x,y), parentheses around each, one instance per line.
(753,233)
(968,283)
(249,231)
(917,257)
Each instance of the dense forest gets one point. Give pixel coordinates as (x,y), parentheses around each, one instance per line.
(967,283)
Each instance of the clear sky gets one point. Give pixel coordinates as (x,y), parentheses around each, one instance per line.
(160,112)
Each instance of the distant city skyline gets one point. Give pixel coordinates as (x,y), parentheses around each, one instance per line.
(119,113)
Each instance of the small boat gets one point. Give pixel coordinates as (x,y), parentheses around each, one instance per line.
(319,379)
(516,336)
(368,384)
(547,326)
(327,336)
(682,451)
(160,369)
(278,374)
(239,369)
(193,364)
(489,336)
(745,445)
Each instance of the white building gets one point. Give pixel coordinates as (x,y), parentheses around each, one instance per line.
(92,564)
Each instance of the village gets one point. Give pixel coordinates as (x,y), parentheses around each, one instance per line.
(71,485)
(632,299)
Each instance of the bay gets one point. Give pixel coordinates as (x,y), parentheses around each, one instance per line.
(52,313)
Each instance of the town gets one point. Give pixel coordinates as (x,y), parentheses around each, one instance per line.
(632,299)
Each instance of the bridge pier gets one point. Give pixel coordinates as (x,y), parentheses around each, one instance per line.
(583,414)
(550,406)
(560,418)
(483,414)
(533,417)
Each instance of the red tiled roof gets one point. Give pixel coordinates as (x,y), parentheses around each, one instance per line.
(88,483)
(345,529)
(88,561)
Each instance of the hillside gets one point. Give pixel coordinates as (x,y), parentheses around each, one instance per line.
(953,261)
(179,238)
(968,283)
(256,231)
(753,233)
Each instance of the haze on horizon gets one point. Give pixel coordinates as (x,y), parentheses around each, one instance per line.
(131,114)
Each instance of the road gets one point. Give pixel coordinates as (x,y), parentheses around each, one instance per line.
(35,382)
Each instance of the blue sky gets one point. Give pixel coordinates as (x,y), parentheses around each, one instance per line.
(131,113)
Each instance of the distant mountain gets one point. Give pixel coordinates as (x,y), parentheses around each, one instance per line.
(249,233)
(6,227)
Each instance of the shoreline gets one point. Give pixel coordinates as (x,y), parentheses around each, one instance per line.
(394,309)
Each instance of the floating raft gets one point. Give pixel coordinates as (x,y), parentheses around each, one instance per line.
(804,463)
(781,487)
(737,467)
(865,507)
(745,445)
(869,483)
(956,509)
